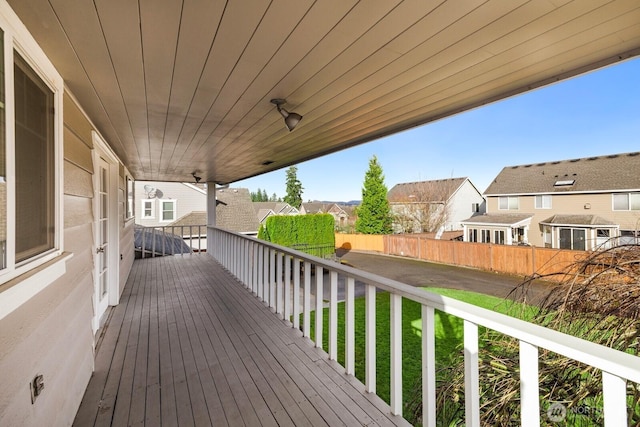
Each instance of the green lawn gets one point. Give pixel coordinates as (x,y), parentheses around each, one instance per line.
(448,335)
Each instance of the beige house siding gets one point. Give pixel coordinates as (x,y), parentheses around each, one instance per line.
(51,333)
(598,204)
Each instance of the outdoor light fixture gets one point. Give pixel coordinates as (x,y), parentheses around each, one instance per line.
(195,177)
(290,119)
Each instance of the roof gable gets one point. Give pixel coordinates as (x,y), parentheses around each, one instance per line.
(614,172)
(434,191)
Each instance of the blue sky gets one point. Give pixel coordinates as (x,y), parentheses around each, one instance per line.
(594,114)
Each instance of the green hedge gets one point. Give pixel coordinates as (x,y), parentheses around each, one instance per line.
(313,234)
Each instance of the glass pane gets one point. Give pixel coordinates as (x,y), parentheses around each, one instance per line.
(620,202)
(634,201)
(565,238)
(35,163)
(105,232)
(579,239)
(513,203)
(503,203)
(104,205)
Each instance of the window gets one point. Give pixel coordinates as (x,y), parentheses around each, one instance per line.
(129,208)
(508,203)
(543,202)
(473,235)
(498,237)
(475,207)
(168,210)
(30,158)
(547,237)
(626,202)
(486,236)
(147,209)
(573,238)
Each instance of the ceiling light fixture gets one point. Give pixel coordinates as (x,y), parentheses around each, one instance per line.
(195,177)
(290,119)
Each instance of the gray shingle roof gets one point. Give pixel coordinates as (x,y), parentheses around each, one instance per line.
(603,173)
(236,212)
(439,190)
(577,220)
(503,219)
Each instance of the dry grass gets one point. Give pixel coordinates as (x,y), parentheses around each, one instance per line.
(598,301)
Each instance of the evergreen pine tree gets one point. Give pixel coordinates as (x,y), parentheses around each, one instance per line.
(294,188)
(374,214)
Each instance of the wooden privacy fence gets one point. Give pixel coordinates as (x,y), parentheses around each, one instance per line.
(518,260)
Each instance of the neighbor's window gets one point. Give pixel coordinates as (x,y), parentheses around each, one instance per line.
(543,202)
(475,207)
(573,238)
(498,237)
(168,210)
(510,203)
(473,235)
(626,202)
(147,209)
(486,236)
(35,163)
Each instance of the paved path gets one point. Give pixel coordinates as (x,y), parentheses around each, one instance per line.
(420,273)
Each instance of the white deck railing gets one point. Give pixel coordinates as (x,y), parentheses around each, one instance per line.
(259,266)
(170,240)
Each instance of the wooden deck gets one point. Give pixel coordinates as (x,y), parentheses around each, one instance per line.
(189,345)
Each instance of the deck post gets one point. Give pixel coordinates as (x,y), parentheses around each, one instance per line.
(211,219)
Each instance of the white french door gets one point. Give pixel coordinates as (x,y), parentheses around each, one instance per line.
(102,241)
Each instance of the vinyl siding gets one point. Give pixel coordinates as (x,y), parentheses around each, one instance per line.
(187,200)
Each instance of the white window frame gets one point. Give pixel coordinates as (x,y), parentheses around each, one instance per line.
(543,201)
(475,207)
(509,200)
(633,201)
(143,209)
(50,265)
(161,210)
(130,198)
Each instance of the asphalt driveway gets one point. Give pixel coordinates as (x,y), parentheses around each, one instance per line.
(420,273)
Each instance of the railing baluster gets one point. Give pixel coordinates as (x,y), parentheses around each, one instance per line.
(306,327)
(287,287)
(279,284)
(529,386)
(296,293)
(319,304)
(370,338)
(144,241)
(260,272)
(350,336)
(265,279)
(272,278)
(333,315)
(471,381)
(153,243)
(614,390)
(396,354)
(428,367)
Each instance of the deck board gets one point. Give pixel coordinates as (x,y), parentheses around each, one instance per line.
(189,345)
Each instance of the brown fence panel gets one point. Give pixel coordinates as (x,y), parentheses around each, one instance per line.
(442,251)
(554,261)
(477,255)
(402,246)
(512,259)
(360,242)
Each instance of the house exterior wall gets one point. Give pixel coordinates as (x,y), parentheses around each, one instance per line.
(188,199)
(599,204)
(51,333)
(460,205)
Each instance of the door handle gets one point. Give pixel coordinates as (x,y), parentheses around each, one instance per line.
(100,249)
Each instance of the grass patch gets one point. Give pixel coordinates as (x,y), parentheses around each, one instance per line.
(448,330)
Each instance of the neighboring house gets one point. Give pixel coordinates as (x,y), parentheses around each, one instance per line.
(264,210)
(577,204)
(434,206)
(340,215)
(235,211)
(162,203)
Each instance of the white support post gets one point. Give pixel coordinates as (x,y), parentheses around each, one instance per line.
(279,284)
(614,390)
(471,379)
(306,327)
(396,354)
(333,315)
(370,338)
(529,386)
(350,336)
(319,304)
(296,293)
(287,287)
(212,236)
(428,367)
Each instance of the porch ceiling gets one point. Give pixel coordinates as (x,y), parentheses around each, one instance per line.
(176,86)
